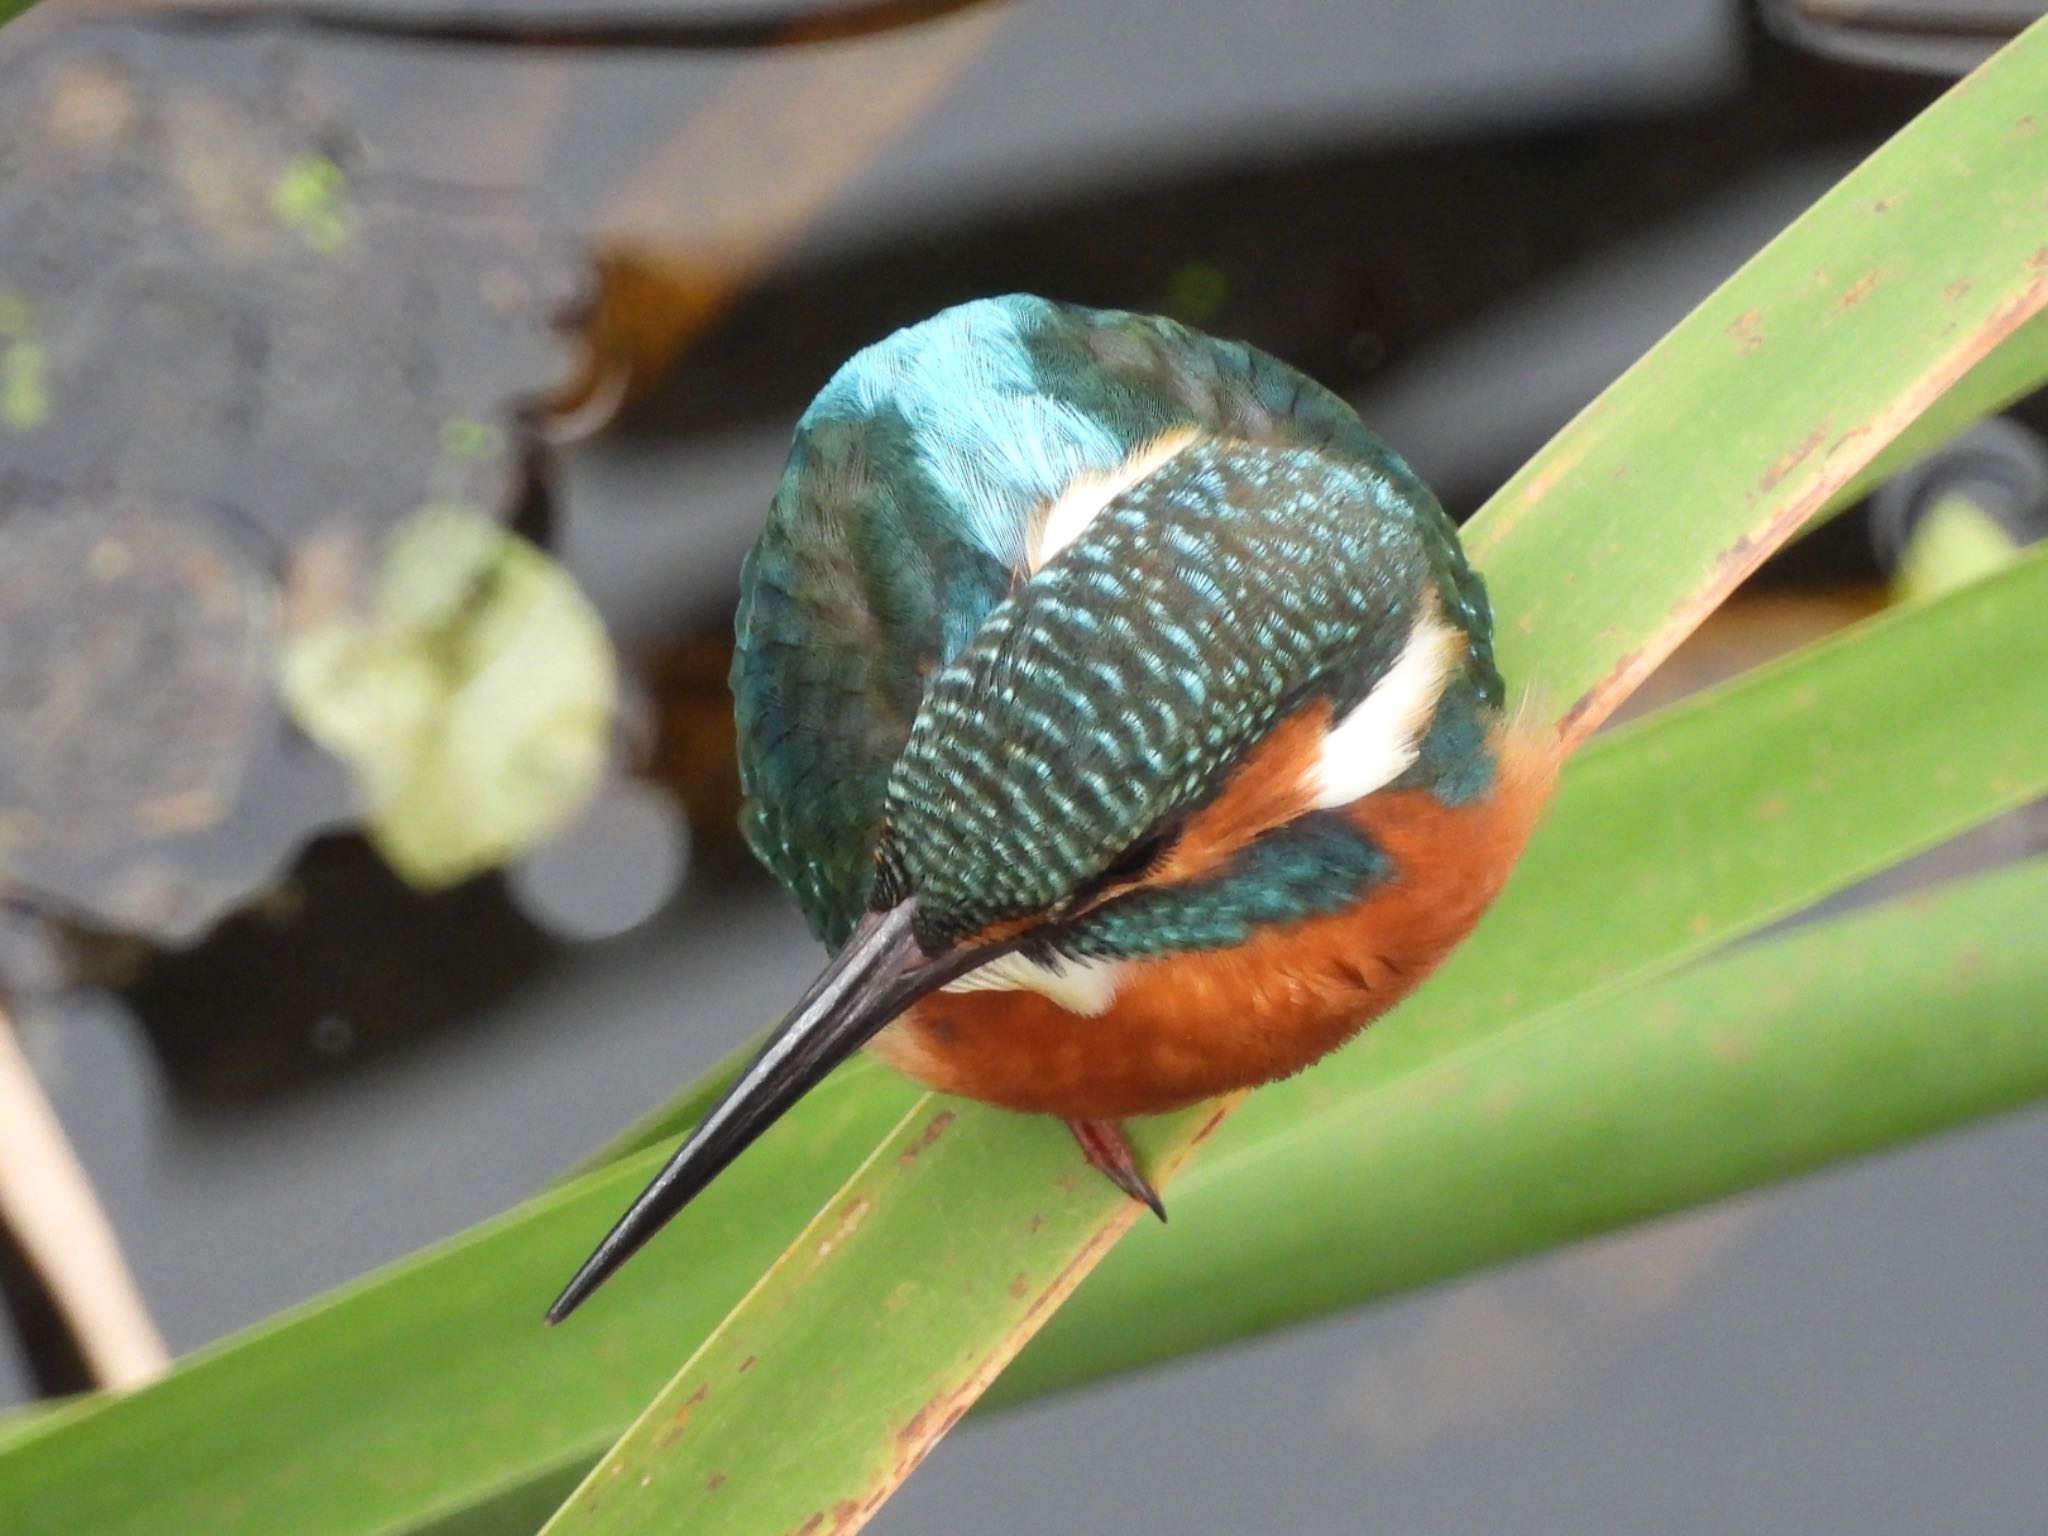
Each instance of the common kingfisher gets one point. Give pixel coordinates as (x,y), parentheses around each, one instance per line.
(1120,711)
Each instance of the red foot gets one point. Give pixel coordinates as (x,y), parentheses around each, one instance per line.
(1103,1143)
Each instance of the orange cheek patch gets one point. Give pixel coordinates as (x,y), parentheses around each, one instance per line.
(1271,788)
(996,933)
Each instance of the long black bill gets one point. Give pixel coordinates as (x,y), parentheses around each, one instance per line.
(881,971)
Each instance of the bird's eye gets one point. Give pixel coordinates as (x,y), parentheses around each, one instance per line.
(1134,863)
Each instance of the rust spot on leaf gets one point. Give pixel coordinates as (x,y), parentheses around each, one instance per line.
(1958,288)
(929,1423)
(1020,1286)
(1726,571)
(1216,1118)
(1567,450)
(1847,439)
(715,1482)
(2024,126)
(1731,1049)
(1561,465)
(746,1365)
(850,1218)
(1883,204)
(1791,459)
(1579,721)
(932,1132)
(1746,329)
(673,1431)
(846,1516)
(1499,1101)
(1858,291)
(1099,1243)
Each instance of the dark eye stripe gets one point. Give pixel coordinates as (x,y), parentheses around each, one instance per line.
(1317,863)
(1133,864)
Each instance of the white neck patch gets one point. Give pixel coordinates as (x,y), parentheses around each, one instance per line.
(1086,987)
(1086,495)
(1377,741)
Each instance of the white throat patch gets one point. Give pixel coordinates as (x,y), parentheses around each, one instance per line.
(1086,987)
(1377,741)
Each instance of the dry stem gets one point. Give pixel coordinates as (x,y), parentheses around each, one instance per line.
(48,1202)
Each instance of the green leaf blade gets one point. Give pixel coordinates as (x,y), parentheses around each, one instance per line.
(431,1386)
(1829,1042)
(865,1386)
(1774,394)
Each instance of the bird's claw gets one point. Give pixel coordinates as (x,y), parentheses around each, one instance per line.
(1103,1143)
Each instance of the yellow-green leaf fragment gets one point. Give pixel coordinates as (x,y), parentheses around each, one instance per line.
(311,198)
(473,699)
(1957,542)
(24,386)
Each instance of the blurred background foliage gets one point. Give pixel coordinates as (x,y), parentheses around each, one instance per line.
(282,296)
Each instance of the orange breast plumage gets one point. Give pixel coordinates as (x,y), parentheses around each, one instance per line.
(1184,1026)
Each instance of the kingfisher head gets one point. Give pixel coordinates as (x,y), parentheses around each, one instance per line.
(1200,654)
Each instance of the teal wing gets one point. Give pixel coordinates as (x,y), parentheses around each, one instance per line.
(854,593)
(901,522)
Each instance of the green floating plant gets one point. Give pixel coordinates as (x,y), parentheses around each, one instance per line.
(473,698)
